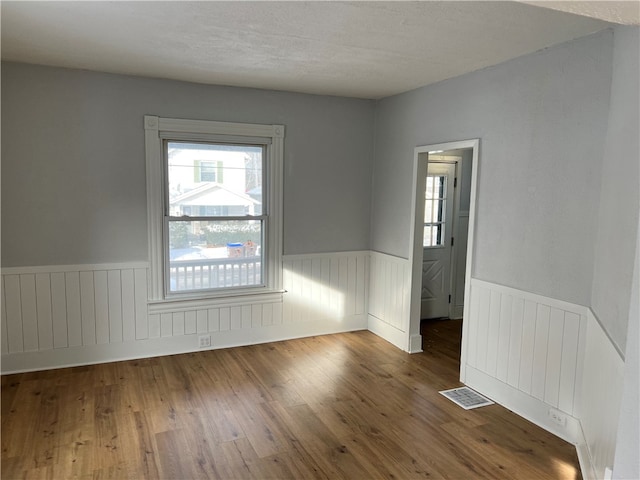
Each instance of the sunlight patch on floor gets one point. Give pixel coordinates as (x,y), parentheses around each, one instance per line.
(565,470)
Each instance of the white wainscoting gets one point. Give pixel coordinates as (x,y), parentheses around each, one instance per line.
(327,288)
(534,354)
(58,316)
(389,298)
(526,352)
(46,308)
(599,406)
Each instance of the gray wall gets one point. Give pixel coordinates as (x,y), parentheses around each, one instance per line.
(542,121)
(623,152)
(73,175)
(627,461)
(618,214)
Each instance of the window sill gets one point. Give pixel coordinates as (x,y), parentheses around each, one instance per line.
(172,304)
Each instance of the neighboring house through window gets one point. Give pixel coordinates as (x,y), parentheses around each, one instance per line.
(208,171)
(214,208)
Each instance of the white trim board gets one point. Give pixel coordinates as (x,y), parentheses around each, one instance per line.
(305,256)
(534,297)
(73,268)
(530,408)
(387,332)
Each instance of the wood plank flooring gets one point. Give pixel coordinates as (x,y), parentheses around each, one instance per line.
(347,406)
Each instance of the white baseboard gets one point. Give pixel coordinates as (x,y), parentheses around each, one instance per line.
(530,408)
(112,352)
(415,343)
(390,333)
(456,312)
(584,459)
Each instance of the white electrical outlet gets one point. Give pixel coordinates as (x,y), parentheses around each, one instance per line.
(558,417)
(204,341)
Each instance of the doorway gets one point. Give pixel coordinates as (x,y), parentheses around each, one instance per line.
(442,230)
(437,240)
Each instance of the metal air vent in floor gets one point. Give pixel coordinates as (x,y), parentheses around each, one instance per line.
(466,398)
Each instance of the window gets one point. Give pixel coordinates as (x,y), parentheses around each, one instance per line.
(434,211)
(215,230)
(214,208)
(207,171)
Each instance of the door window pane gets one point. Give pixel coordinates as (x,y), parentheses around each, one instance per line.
(434,210)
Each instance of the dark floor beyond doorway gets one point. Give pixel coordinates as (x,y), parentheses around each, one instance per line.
(442,338)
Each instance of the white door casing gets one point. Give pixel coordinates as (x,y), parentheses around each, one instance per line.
(437,238)
(416,233)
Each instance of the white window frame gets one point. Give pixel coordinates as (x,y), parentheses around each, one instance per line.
(159,129)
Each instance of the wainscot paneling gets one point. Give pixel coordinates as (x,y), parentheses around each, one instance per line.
(47,308)
(72,315)
(549,361)
(526,352)
(389,298)
(600,397)
(330,288)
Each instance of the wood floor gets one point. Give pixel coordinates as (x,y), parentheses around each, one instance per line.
(342,406)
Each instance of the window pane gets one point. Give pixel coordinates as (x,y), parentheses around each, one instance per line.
(433,235)
(426,238)
(440,207)
(434,210)
(428,211)
(441,183)
(215,254)
(208,179)
(429,189)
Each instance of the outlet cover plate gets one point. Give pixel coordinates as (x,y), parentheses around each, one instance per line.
(558,417)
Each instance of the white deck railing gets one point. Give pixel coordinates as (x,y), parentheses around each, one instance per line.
(215,273)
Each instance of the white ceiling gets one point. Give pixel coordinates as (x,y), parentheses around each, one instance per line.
(358,49)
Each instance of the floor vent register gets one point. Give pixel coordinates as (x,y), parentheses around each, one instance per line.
(466,398)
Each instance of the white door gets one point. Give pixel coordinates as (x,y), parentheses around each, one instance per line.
(438,231)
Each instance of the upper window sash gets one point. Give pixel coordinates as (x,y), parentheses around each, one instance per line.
(158,129)
(215,140)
